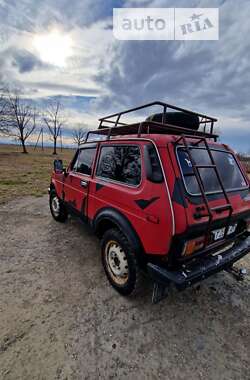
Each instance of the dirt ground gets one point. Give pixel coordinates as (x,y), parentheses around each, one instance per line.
(60,319)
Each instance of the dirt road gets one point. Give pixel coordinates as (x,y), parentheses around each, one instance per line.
(59,318)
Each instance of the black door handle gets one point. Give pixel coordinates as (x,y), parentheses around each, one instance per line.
(84,183)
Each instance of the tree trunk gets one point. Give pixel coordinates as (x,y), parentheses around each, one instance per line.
(23,146)
(54,152)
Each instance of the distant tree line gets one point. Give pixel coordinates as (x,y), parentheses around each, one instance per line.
(245,159)
(19,119)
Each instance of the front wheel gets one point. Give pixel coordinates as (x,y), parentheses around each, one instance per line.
(57,207)
(119,262)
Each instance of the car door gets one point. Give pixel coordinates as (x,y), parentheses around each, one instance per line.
(122,184)
(76,184)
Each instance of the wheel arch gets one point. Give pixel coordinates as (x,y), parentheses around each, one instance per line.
(108,218)
(53,187)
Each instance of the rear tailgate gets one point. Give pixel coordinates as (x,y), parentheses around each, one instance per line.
(233,179)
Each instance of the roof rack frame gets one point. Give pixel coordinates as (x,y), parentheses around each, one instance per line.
(118,126)
(145,127)
(208,119)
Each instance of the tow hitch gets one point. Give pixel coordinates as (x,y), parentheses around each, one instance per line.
(238,273)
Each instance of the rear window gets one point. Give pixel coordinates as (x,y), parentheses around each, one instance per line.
(228,169)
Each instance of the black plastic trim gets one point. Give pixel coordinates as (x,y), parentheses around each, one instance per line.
(144,203)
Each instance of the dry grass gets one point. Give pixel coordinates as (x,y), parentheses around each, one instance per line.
(27,174)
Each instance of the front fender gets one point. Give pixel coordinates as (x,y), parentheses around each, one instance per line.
(57,185)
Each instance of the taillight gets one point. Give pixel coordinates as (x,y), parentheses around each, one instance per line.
(193,245)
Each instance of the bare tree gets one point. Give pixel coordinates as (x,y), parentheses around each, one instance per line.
(54,121)
(20,119)
(79,134)
(3,113)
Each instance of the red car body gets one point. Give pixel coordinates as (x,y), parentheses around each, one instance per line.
(164,216)
(160,217)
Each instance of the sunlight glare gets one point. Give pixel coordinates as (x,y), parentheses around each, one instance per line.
(53,47)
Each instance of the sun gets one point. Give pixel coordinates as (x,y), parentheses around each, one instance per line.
(53,47)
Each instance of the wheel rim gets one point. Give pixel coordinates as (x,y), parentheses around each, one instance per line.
(55,205)
(117,262)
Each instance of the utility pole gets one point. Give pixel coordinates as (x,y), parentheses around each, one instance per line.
(42,139)
(37,141)
(61,138)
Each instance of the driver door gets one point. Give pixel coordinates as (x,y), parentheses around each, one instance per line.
(76,183)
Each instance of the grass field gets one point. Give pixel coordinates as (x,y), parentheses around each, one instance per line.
(27,174)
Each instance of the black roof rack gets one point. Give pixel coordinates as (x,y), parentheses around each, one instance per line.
(148,126)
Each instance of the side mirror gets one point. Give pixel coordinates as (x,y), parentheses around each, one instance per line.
(58,166)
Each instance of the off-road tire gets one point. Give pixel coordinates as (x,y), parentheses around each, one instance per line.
(62,214)
(134,281)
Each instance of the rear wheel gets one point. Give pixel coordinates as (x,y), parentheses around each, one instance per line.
(120,263)
(57,207)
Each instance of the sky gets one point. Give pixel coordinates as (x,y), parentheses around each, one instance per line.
(66,49)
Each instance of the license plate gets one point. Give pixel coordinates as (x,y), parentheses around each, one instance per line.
(219,234)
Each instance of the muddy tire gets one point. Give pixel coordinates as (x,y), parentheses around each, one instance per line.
(57,208)
(120,264)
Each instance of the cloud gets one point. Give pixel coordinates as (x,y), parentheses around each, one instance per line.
(213,74)
(37,15)
(23,68)
(64,89)
(26,61)
(212,77)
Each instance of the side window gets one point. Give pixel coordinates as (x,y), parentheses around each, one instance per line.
(120,163)
(84,161)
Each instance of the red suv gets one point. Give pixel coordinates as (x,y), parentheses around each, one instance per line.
(164,197)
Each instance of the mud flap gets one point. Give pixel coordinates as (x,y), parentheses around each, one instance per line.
(159,292)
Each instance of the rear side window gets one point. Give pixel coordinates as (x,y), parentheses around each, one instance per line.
(228,169)
(84,161)
(121,163)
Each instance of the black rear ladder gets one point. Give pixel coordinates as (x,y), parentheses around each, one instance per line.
(225,207)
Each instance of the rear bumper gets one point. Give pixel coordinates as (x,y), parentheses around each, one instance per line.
(201,269)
